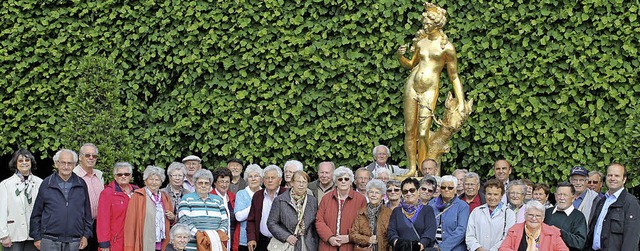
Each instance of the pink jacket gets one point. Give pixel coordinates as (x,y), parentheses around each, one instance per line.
(550,239)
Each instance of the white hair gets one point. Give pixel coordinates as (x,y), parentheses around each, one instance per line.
(385,148)
(297,164)
(449,178)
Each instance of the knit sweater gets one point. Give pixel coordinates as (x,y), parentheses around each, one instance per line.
(573,228)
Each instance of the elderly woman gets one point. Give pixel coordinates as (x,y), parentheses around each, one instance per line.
(292,216)
(488,223)
(370,228)
(253,179)
(112,208)
(382,174)
(149,214)
(427,188)
(202,211)
(452,215)
(17,194)
(221,182)
(337,212)
(516,191)
(412,226)
(174,189)
(179,237)
(289,168)
(393,194)
(533,234)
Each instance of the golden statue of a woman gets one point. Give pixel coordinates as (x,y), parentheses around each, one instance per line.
(431,53)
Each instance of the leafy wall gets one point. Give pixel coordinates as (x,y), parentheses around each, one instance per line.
(555,82)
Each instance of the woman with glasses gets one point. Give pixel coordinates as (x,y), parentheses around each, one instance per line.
(489,222)
(174,189)
(337,212)
(452,215)
(427,188)
(17,195)
(221,183)
(393,194)
(112,208)
(516,191)
(253,177)
(412,225)
(292,216)
(533,234)
(369,231)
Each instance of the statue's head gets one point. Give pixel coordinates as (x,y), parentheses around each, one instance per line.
(433,17)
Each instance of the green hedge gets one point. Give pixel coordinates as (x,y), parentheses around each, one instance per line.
(555,83)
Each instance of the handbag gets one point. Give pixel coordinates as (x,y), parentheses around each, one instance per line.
(277,245)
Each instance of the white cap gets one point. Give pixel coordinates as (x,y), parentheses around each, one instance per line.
(191,157)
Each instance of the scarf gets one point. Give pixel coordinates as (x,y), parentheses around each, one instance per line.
(157,201)
(440,204)
(411,211)
(533,239)
(298,202)
(24,187)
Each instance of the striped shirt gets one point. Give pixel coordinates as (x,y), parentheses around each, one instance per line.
(202,214)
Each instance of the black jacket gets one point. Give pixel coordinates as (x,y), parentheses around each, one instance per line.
(620,228)
(60,219)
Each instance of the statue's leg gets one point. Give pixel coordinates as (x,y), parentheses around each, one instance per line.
(411,132)
(424,125)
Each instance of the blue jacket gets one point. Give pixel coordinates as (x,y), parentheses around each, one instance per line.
(425,226)
(57,218)
(454,224)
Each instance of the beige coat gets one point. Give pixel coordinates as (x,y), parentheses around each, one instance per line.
(15,211)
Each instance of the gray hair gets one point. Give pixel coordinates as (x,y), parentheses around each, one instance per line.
(179,228)
(535,205)
(366,170)
(465,171)
(395,183)
(203,173)
(253,168)
(56,157)
(120,165)
(154,170)
(439,180)
(472,175)
(342,171)
(297,164)
(273,168)
(598,173)
(177,166)
(523,186)
(379,171)
(449,178)
(89,145)
(429,180)
(385,148)
(377,184)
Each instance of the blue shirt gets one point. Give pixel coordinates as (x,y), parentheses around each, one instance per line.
(605,208)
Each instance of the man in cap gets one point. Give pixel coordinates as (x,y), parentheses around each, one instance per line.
(193,164)
(585,198)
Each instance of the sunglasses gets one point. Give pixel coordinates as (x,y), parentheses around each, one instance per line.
(343,179)
(447,188)
(427,189)
(410,190)
(593,182)
(393,190)
(123,174)
(88,156)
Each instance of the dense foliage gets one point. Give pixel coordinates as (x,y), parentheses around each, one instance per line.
(555,83)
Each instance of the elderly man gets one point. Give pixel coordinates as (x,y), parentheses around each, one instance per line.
(193,164)
(595,182)
(237,182)
(471,188)
(584,197)
(381,154)
(429,167)
(95,183)
(615,224)
(258,234)
(324,183)
(61,218)
(459,174)
(571,222)
(363,176)
(502,170)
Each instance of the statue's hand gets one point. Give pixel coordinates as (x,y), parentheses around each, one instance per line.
(402,50)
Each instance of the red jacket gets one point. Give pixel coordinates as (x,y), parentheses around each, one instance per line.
(234,227)
(550,239)
(327,218)
(112,209)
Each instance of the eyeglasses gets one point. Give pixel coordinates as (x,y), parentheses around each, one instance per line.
(562,195)
(343,179)
(64,163)
(89,156)
(24,160)
(374,193)
(578,180)
(593,182)
(429,190)
(515,194)
(470,184)
(176,176)
(203,183)
(123,174)
(534,216)
(446,188)
(393,190)
(222,182)
(410,190)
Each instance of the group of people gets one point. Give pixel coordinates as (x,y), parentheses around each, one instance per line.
(254,209)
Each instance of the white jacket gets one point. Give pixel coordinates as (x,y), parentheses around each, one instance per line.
(486,231)
(15,211)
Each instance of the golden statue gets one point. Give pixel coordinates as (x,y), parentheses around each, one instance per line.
(431,52)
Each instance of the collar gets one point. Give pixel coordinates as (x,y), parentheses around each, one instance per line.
(327,188)
(223,196)
(583,194)
(615,195)
(83,173)
(379,166)
(266,194)
(567,211)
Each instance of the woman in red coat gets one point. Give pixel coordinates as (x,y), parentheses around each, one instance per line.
(112,208)
(533,234)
